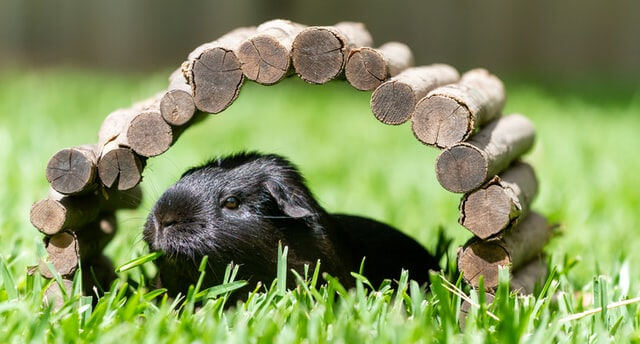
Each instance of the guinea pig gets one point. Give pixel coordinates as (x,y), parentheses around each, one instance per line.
(238,208)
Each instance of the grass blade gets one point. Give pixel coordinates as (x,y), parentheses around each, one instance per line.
(138,261)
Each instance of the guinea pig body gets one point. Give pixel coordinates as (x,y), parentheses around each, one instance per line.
(237,209)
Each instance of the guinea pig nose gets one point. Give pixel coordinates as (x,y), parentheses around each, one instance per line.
(165,221)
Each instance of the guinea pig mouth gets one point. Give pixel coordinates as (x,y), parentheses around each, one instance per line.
(180,239)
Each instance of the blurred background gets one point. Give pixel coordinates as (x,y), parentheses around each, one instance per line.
(543,38)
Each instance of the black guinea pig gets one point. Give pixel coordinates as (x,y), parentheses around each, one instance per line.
(236,209)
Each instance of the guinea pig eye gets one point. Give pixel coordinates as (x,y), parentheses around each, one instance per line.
(231,202)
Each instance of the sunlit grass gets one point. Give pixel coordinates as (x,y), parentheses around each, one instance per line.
(584,156)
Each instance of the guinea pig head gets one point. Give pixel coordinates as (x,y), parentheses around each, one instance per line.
(235,209)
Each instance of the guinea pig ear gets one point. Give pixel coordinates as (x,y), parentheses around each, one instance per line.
(291,201)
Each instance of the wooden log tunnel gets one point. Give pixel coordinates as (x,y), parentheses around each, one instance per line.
(89,183)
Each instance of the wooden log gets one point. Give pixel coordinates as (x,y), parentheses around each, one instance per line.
(62,253)
(177,106)
(266,56)
(450,114)
(214,72)
(98,273)
(368,68)
(465,309)
(120,167)
(523,282)
(147,133)
(500,203)
(73,170)
(393,101)
(140,127)
(94,236)
(514,248)
(529,276)
(54,295)
(467,165)
(58,212)
(320,52)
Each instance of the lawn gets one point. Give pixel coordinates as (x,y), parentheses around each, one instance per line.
(585,157)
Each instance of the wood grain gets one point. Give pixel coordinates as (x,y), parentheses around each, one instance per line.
(59,212)
(501,202)
(214,71)
(73,170)
(62,253)
(367,68)
(394,100)
(177,106)
(266,56)
(319,53)
(450,114)
(465,166)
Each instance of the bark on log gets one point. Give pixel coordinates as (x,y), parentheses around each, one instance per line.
(72,171)
(514,248)
(214,72)
(320,52)
(62,251)
(266,56)
(94,237)
(58,212)
(367,68)
(393,101)
(450,114)
(465,166)
(54,295)
(500,203)
(529,276)
(177,106)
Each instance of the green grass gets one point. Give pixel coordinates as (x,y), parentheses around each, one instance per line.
(584,156)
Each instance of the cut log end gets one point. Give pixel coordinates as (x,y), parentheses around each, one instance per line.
(482,258)
(393,102)
(440,121)
(318,55)
(177,107)
(217,78)
(120,168)
(487,211)
(55,296)
(62,250)
(366,69)
(70,171)
(48,216)
(461,168)
(264,59)
(149,135)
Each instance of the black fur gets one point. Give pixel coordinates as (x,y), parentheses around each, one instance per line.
(190,221)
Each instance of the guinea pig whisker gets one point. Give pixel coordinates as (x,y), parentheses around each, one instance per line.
(275,216)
